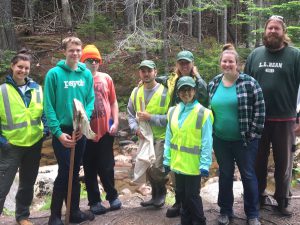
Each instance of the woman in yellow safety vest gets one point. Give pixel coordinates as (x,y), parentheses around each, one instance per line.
(188,149)
(22,127)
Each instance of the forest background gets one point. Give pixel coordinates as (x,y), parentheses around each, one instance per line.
(128,31)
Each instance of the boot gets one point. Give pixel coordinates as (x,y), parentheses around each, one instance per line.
(284,207)
(174,211)
(153,196)
(160,197)
(56,205)
(76,215)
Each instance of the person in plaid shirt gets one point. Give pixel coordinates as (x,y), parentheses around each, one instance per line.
(239,110)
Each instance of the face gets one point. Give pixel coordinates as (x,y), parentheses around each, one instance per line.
(147,75)
(274,34)
(92,64)
(185,67)
(20,70)
(73,53)
(186,94)
(228,64)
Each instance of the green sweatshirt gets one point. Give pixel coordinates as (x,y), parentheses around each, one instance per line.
(278,74)
(62,85)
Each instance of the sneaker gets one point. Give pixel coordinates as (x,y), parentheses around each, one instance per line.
(98,208)
(25,222)
(223,219)
(115,204)
(253,221)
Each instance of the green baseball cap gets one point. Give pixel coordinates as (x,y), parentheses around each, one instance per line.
(185,81)
(185,55)
(147,63)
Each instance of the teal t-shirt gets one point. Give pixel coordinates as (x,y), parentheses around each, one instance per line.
(225,107)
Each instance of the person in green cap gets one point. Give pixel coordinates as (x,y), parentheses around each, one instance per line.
(188,149)
(155,99)
(184,67)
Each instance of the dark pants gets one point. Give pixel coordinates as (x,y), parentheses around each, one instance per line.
(227,153)
(189,188)
(27,160)
(99,161)
(282,137)
(62,155)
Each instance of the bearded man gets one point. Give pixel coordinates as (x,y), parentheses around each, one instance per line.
(276,67)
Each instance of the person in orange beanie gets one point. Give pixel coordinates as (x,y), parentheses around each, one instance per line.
(98,159)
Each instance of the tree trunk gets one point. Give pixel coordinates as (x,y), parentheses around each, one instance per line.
(140,17)
(199,22)
(130,14)
(66,15)
(165,34)
(225,26)
(7,32)
(91,10)
(190,18)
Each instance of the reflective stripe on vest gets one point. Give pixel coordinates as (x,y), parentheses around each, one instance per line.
(10,125)
(194,151)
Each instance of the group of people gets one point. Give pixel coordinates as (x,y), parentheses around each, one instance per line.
(238,115)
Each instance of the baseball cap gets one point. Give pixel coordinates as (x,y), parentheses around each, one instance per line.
(185,81)
(147,63)
(185,55)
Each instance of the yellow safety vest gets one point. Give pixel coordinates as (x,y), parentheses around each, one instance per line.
(185,147)
(158,104)
(20,125)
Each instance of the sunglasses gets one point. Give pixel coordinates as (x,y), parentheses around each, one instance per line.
(185,89)
(91,61)
(276,17)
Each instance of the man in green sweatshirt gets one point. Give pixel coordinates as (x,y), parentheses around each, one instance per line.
(69,79)
(276,67)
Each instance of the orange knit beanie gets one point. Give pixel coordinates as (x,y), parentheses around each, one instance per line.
(90,52)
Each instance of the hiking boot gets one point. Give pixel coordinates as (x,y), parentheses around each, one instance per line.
(78,216)
(223,219)
(98,208)
(253,221)
(153,193)
(115,204)
(160,197)
(56,205)
(284,207)
(24,222)
(174,211)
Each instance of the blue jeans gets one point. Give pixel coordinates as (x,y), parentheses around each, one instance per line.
(227,153)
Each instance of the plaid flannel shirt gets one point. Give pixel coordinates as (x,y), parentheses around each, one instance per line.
(251,105)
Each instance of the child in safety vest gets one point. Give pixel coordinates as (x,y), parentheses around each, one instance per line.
(188,149)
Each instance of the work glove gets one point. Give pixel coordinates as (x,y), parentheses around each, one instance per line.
(204,173)
(167,170)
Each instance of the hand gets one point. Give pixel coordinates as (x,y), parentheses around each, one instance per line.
(204,173)
(139,134)
(66,140)
(144,116)
(195,71)
(78,135)
(297,130)
(113,129)
(167,169)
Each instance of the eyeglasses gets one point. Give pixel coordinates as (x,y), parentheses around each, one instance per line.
(276,17)
(91,61)
(185,89)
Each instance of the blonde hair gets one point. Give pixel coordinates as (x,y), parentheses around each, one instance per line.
(70,40)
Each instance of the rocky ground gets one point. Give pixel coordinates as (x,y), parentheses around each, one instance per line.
(131,194)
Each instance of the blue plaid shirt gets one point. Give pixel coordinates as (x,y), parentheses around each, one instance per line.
(251,105)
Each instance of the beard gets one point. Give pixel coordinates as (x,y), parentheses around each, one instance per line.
(273,41)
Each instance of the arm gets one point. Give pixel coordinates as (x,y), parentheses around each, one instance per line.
(206,147)
(258,113)
(167,152)
(49,104)
(115,115)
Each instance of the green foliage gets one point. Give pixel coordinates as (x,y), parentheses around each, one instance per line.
(296,177)
(47,203)
(170,198)
(294,34)
(5,57)
(100,25)
(7,212)
(83,192)
(207,61)
(122,102)
(105,46)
